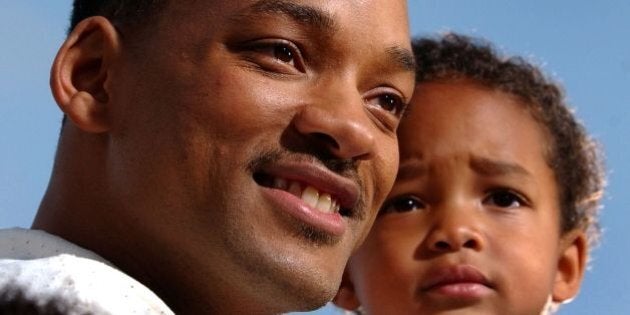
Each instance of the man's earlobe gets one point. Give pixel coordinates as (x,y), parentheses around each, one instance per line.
(571,266)
(80,73)
(346,297)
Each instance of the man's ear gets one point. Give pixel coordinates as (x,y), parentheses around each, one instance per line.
(79,74)
(571,266)
(346,297)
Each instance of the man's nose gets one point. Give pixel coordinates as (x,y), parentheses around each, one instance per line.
(339,123)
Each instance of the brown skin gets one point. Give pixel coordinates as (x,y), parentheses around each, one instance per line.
(155,169)
(454,206)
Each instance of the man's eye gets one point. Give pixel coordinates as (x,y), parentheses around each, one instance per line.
(283,53)
(402,204)
(387,105)
(505,199)
(391,103)
(386,100)
(273,56)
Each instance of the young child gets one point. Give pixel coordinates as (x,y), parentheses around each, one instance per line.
(494,207)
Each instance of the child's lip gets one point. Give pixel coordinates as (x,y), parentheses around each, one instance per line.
(455,275)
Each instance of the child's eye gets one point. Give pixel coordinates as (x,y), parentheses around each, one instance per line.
(505,199)
(402,204)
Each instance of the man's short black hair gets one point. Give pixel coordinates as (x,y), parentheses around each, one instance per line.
(572,155)
(122,12)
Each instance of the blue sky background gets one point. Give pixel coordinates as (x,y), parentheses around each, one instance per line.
(584,44)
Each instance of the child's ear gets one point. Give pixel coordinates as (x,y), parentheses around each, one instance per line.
(81,70)
(571,266)
(346,297)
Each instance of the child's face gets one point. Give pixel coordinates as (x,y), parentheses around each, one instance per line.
(472,225)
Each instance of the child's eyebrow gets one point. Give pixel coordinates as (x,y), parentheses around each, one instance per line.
(490,167)
(410,169)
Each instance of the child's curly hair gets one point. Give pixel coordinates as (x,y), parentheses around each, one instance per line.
(572,154)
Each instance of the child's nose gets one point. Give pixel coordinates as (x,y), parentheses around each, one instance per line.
(454,232)
(450,241)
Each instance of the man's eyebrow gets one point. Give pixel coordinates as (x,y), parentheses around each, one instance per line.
(402,57)
(300,13)
(490,167)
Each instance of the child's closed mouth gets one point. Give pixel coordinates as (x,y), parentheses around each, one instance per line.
(457,281)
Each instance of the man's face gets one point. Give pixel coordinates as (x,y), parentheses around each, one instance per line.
(472,223)
(252,143)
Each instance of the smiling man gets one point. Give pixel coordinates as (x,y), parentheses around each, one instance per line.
(228,155)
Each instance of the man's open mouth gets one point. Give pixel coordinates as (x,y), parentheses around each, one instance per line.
(321,201)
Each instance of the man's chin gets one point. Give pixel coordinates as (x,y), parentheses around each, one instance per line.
(311,298)
(310,284)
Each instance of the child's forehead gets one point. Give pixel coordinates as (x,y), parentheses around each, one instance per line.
(467,102)
(450,118)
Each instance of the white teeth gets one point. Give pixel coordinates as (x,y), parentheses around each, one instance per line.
(324,203)
(310,196)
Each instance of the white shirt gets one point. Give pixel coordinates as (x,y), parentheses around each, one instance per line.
(43,268)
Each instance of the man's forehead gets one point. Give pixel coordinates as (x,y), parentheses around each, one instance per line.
(305,14)
(300,12)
